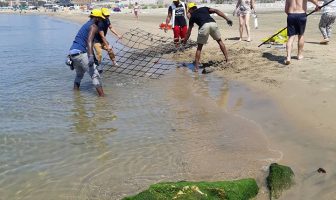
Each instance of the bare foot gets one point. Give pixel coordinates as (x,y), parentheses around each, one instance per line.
(248,40)
(324,41)
(240,39)
(300,57)
(286,62)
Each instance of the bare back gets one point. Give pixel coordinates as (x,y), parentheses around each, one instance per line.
(296,6)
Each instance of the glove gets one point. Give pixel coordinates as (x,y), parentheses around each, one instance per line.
(229,22)
(91,60)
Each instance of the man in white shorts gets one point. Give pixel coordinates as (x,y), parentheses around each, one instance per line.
(207,26)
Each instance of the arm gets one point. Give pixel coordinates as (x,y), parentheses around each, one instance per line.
(168,19)
(221,14)
(102,36)
(238,3)
(317,7)
(92,32)
(287,6)
(188,34)
(115,32)
(253,5)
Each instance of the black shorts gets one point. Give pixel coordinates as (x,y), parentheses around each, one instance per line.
(296,23)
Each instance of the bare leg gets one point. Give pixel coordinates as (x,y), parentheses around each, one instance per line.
(198,56)
(100,91)
(289,45)
(76,86)
(222,47)
(241,24)
(247,26)
(300,46)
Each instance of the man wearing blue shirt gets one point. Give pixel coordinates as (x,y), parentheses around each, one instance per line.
(81,52)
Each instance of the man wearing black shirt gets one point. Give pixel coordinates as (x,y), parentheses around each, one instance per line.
(177,13)
(100,41)
(207,26)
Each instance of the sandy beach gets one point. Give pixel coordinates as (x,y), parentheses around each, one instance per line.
(304,92)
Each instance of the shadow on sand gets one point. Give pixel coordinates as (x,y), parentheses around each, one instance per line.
(271,57)
(233,38)
(316,43)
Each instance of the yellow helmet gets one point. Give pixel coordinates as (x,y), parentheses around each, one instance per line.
(106,11)
(191,4)
(97,13)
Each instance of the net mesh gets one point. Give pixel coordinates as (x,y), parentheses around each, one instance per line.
(143,54)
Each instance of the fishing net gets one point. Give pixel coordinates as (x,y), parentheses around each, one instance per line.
(143,54)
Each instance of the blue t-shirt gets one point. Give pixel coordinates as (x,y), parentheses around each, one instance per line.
(82,36)
(102,26)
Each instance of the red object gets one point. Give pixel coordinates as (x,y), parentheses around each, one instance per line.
(163,25)
(179,32)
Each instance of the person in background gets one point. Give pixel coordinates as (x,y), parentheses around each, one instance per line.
(177,12)
(327,20)
(100,41)
(296,25)
(136,10)
(207,26)
(243,11)
(81,52)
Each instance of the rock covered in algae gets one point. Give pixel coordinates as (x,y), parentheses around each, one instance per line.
(280,178)
(228,190)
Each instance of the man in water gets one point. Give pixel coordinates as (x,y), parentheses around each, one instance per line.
(100,41)
(81,52)
(296,24)
(207,26)
(177,12)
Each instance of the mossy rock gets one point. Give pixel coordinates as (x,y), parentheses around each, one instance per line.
(280,178)
(229,190)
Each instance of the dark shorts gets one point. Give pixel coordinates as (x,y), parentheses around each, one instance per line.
(296,23)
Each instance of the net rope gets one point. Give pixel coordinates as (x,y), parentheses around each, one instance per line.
(143,54)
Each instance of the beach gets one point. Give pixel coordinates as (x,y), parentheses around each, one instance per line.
(295,129)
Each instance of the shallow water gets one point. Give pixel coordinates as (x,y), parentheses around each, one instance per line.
(59,144)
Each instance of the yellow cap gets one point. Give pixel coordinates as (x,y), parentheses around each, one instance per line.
(97,13)
(191,4)
(106,11)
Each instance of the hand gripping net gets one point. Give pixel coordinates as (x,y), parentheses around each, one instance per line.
(143,54)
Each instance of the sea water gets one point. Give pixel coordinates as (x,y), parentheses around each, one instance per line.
(57,143)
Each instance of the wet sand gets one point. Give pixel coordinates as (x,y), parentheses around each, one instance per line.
(304,91)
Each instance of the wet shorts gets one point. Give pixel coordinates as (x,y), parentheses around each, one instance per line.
(296,23)
(179,32)
(207,29)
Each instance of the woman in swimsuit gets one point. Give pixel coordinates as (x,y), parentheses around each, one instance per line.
(136,10)
(243,11)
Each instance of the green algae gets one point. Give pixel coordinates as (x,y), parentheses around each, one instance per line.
(280,178)
(227,190)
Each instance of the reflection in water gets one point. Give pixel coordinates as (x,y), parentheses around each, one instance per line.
(93,121)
